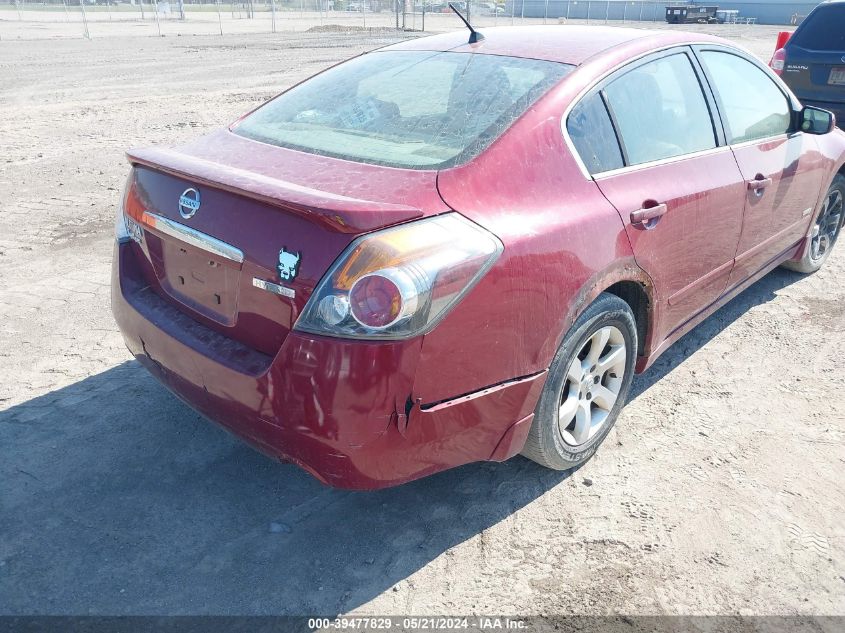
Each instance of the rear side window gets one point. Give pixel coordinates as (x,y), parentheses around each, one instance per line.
(823,30)
(592,134)
(752,105)
(660,110)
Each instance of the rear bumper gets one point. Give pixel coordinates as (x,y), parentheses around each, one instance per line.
(326,404)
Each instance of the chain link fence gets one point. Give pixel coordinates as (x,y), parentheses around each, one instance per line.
(28,19)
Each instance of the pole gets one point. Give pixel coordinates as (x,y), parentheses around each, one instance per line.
(272,15)
(158,24)
(606,10)
(141,4)
(545,11)
(219,18)
(84,19)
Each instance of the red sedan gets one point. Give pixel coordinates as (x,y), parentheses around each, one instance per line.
(446,251)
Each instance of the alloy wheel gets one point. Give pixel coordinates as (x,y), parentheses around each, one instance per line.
(827,225)
(592,386)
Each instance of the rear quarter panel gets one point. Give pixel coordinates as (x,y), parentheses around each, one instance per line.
(564,243)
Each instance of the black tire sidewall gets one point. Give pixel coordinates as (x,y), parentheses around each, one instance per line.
(607,310)
(808,261)
(838,183)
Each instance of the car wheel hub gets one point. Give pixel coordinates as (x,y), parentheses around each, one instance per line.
(592,386)
(827,225)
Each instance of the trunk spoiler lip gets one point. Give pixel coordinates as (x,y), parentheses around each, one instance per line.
(340,213)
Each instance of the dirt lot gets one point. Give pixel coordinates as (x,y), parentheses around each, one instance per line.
(719,491)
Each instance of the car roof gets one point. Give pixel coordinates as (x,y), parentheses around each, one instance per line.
(569,44)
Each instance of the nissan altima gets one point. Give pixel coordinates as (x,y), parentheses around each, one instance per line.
(460,249)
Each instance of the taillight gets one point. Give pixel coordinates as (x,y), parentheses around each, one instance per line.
(778,60)
(401,281)
(125,227)
(380,299)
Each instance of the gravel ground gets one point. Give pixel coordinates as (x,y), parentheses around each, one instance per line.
(719,492)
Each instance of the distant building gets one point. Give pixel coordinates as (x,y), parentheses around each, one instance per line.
(763,11)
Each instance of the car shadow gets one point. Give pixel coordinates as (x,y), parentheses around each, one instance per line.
(119,499)
(761,292)
(116,498)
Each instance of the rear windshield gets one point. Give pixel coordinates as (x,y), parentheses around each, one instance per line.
(412,109)
(823,30)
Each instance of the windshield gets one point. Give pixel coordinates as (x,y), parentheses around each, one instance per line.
(823,30)
(413,109)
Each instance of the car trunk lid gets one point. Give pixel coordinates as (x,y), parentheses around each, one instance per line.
(267,225)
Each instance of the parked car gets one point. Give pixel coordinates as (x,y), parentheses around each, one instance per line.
(443,7)
(812,63)
(441,252)
(691,13)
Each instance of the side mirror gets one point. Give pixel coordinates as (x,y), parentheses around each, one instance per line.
(816,121)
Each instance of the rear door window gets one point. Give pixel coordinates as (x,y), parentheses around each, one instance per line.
(660,110)
(592,133)
(823,30)
(752,106)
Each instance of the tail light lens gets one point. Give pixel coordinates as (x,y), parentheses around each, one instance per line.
(121,231)
(400,282)
(778,60)
(125,227)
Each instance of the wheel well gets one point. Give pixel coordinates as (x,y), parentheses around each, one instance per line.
(634,294)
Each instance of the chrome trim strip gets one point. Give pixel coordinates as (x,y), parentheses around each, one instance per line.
(663,161)
(192,236)
(783,136)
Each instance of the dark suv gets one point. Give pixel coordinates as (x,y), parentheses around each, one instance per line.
(812,62)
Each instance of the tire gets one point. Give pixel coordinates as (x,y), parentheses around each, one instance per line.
(560,447)
(826,228)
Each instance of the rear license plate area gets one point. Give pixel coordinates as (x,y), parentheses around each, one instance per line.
(837,76)
(205,283)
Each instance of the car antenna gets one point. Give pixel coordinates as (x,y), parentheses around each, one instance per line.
(474,35)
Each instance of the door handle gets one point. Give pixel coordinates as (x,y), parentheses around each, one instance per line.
(641,216)
(758,183)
